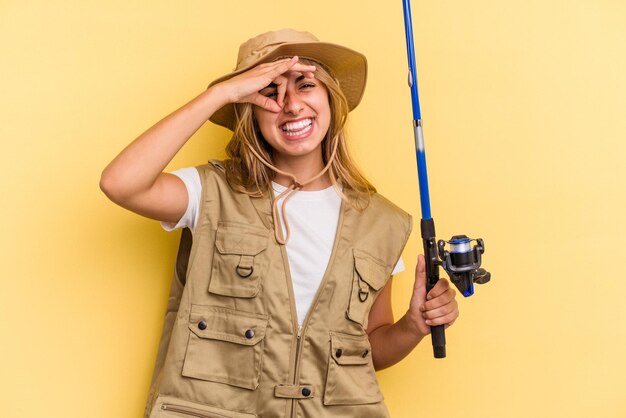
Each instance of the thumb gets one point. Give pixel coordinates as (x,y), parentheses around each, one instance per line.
(419,288)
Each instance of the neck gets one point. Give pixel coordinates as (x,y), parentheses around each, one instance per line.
(303,168)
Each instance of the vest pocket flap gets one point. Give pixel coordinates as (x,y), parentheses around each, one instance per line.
(349,350)
(224,324)
(350,379)
(375,273)
(241,239)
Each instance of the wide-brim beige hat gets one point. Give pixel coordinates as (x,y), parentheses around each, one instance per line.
(346,65)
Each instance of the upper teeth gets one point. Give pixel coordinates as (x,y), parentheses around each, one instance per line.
(297,126)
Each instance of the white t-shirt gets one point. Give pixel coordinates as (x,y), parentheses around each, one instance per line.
(313,217)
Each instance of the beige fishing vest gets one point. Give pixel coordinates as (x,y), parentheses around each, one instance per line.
(231,345)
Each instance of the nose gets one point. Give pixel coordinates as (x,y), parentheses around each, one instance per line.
(292,103)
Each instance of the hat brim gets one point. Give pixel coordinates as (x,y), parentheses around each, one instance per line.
(349,67)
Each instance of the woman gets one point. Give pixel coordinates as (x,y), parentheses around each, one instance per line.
(284,309)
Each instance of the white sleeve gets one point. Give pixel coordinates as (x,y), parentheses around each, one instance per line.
(399,268)
(191,178)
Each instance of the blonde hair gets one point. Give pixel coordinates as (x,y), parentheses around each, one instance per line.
(247,174)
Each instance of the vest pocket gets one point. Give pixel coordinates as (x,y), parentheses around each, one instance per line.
(351,379)
(225,346)
(167,406)
(369,276)
(239,260)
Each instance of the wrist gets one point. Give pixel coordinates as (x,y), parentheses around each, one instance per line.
(217,95)
(410,326)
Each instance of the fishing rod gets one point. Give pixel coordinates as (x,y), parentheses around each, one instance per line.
(461,261)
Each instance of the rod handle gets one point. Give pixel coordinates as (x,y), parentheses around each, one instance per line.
(439,341)
(437,332)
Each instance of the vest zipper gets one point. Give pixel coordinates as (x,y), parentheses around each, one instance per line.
(302,329)
(296,374)
(192,412)
(297,330)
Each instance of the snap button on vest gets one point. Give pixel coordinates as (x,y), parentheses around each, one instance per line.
(294,391)
(365,353)
(202,325)
(249,334)
(338,353)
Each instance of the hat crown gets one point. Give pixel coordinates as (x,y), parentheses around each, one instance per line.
(255,48)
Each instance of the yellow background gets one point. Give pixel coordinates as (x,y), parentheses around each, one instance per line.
(524,108)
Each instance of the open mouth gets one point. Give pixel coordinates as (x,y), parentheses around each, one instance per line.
(298,128)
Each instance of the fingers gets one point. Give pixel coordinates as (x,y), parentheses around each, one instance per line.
(441,315)
(292,64)
(281,89)
(419,286)
(281,81)
(246,86)
(440,288)
(307,70)
(441,307)
(279,67)
(266,103)
(438,307)
(420,273)
(441,294)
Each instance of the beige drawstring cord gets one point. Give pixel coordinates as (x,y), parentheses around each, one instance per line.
(293,188)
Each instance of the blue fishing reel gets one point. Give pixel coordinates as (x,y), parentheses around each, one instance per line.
(462,262)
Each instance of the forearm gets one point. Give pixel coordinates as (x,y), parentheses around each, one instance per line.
(393,342)
(139,165)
